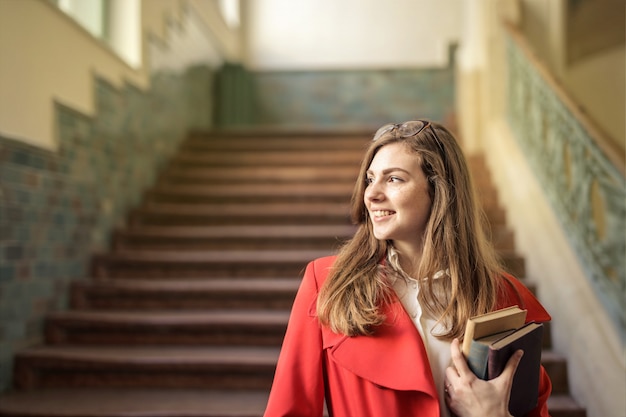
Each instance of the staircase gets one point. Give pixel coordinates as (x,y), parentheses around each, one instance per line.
(186,314)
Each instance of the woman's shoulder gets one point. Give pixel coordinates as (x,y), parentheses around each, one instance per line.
(515,292)
(321,267)
(324,263)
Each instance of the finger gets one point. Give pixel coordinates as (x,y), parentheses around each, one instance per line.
(509,370)
(512,364)
(458,359)
(451,376)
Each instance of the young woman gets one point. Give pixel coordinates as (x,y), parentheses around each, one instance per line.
(375,330)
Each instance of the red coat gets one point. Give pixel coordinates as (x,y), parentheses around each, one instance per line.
(387,374)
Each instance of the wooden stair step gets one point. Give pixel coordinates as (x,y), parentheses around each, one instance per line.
(135,402)
(488,198)
(503,239)
(234,237)
(495,215)
(217,293)
(217,327)
(514,263)
(561,405)
(268,158)
(251,193)
(213,367)
(199,263)
(219,142)
(556,366)
(292,174)
(242,213)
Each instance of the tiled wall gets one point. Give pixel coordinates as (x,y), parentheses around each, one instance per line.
(56,208)
(346,98)
(357,98)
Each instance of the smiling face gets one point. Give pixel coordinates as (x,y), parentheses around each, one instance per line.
(397,197)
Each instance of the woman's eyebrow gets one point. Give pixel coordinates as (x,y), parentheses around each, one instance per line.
(389,170)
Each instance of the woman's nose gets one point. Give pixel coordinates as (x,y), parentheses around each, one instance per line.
(373,192)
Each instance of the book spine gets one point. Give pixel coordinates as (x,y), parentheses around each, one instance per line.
(478,359)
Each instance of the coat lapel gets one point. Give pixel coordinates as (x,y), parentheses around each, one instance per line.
(394,357)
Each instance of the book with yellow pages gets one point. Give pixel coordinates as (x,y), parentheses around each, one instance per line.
(488,355)
(498,321)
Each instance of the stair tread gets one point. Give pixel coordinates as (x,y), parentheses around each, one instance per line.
(258,208)
(234,231)
(214,284)
(276,157)
(173,356)
(551,355)
(136,402)
(275,141)
(170,318)
(214,256)
(562,402)
(261,173)
(238,190)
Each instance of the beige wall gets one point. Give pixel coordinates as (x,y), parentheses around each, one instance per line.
(350,34)
(47,57)
(595,81)
(598,82)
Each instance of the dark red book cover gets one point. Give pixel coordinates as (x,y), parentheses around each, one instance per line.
(525,388)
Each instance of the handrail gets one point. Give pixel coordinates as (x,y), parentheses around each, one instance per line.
(580,173)
(612,151)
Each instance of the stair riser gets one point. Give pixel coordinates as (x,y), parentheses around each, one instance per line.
(515,265)
(268,158)
(137,302)
(580,412)
(136,269)
(557,370)
(213,335)
(237,177)
(148,219)
(166,197)
(180,179)
(495,215)
(328,243)
(503,239)
(86,375)
(273,143)
(262,175)
(106,300)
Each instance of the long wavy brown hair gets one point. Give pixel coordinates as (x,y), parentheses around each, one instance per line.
(351,300)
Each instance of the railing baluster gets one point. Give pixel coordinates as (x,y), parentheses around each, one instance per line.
(586,189)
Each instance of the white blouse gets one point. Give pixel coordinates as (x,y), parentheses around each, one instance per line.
(438,350)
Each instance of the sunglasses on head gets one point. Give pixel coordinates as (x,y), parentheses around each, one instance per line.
(407,130)
(403,130)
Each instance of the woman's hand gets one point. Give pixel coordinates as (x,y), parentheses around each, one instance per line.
(468,396)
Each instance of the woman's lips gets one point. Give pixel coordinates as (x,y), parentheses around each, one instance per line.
(382,213)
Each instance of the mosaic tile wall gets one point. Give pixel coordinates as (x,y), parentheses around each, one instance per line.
(56,208)
(344,98)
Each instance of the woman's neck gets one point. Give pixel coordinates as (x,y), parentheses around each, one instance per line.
(409,258)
